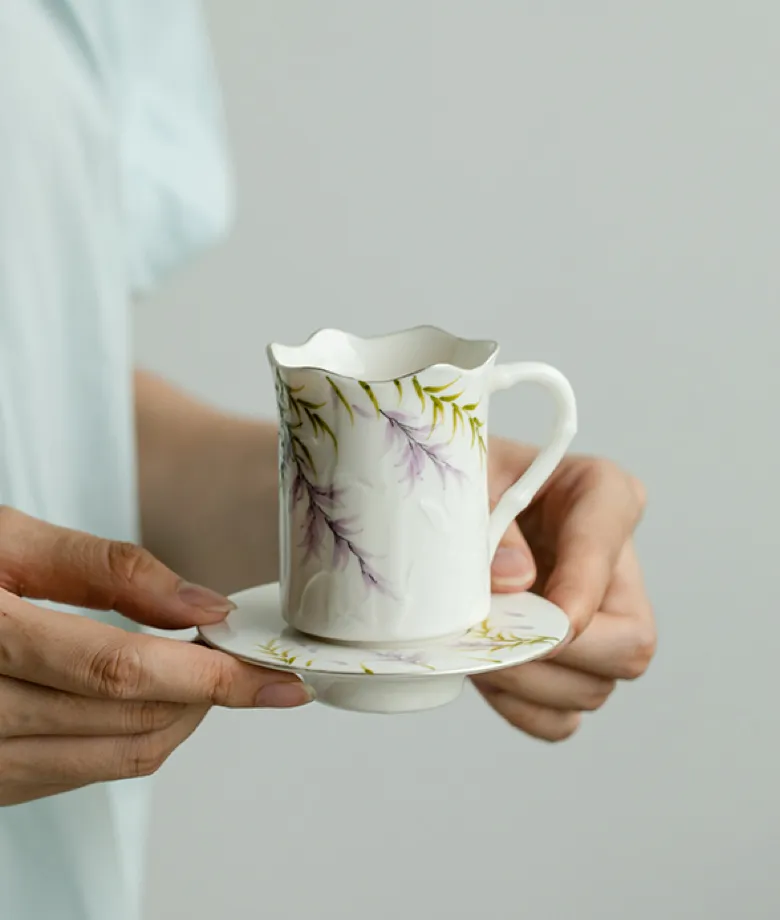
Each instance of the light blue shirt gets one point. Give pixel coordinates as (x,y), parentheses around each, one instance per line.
(112,171)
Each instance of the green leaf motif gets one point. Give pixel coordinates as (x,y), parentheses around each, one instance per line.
(366,669)
(457,416)
(272,649)
(326,429)
(441,389)
(438,413)
(370,393)
(499,639)
(342,399)
(419,391)
(452,397)
(305,453)
(400,389)
(470,407)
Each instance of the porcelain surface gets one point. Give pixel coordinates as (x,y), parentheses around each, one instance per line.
(518,628)
(385,530)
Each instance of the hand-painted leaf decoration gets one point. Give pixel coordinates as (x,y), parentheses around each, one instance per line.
(307,457)
(438,412)
(328,431)
(370,393)
(342,399)
(419,391)
(442,388)
(307,404)
(457,416)
(452,397)
(470,407)
(366,669)
(400,389)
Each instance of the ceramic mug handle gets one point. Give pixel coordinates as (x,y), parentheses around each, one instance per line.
(518,497)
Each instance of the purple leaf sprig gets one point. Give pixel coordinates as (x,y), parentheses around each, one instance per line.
(322,504)
(415,450)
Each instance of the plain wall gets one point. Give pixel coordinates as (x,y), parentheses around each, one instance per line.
(595,185)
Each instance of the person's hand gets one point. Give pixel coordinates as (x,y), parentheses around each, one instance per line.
(580,555)
(83,702)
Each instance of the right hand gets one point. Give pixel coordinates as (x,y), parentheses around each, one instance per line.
(83,702)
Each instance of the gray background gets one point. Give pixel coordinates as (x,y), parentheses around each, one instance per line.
(595,184)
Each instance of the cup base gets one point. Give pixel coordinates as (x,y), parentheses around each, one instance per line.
(385,696)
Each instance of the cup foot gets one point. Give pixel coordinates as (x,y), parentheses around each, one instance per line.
(375,694)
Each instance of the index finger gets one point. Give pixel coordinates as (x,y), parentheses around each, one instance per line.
(70,652)
(599,521)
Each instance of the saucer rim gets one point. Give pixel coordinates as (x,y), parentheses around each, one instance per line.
(530,653)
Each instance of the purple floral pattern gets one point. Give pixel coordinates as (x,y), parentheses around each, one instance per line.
(411,441)
(415,452)
(323,504)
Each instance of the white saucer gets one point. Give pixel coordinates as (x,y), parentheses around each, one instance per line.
(519,628)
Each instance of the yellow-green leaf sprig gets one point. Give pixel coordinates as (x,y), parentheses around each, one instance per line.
(274,649)
(305,412)
(463,415)
(501,639)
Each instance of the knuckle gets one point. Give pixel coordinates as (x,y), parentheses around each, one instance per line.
(149,716)
(640,492)
(598,695)
(116,672)
(8,632)
(601,472)
(602,469)
(220,682)
(562,728)
(126,561)
(640,656)
(140,756)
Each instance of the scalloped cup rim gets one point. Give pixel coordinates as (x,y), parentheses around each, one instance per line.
(490,352)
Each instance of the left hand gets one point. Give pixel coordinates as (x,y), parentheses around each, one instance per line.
(574,546)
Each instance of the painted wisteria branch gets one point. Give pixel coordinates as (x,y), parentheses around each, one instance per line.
(300,417)
(414,449)
(322,502)
(412,440)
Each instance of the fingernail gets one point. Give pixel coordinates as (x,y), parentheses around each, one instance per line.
(284,695)
(205,598)
(513,567)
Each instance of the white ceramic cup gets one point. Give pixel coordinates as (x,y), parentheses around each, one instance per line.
(385,530)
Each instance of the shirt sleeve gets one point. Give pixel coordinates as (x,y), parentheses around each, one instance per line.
(176,176)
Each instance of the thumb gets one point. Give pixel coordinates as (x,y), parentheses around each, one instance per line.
(513,567)
(44,562)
